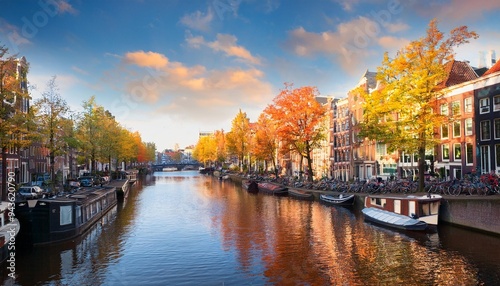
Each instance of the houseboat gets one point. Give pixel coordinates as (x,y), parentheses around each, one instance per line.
(60,218)
(273,189)
(250,186)
(422,208)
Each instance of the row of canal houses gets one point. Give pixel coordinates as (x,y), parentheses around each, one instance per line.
(28,162)
(469,145)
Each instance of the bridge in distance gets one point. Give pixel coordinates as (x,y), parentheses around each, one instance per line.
(178,166)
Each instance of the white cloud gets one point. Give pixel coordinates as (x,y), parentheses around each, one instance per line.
(191,92)
(351,44)
(198,20)
(227,44)
(347,5)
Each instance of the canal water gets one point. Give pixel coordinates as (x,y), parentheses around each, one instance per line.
(183,228)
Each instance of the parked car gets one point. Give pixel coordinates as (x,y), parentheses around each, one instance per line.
(86,181)
(41,180)
(30,192)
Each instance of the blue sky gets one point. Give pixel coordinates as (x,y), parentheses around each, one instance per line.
(170,69)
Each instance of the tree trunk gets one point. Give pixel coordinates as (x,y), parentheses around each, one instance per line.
(421,168)
(309,165)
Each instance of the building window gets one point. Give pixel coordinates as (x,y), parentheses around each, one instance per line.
(484,105)
(496,103)
(444,109)
(456,129)
(485,130)
(445,152)
(497,128)
(497,155)
(469,154)
(65,215)
(468,104)
(485,159)
(455,107)
(457,151)
(468,126)
(444,131)
(381,149)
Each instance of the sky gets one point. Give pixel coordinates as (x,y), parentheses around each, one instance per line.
(171,69)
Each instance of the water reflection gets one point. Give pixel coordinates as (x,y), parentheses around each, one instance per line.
(308,243)
(183,228)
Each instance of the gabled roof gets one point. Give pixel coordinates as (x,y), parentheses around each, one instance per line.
(494,68)
(458,72)
(322,99)
(369,78)
(480,71)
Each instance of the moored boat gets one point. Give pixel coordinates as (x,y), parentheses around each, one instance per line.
(300,194)
(394,220)
(250,185)
(56,219)
(338,200)
(423,208)
(274,189)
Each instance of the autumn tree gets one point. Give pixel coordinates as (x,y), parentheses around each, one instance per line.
(52,112)
(16,119)
(298,117)
(108,137)
(238,138)
(205,150)
(401,113)
(150,151)
(220,139)
(266,140)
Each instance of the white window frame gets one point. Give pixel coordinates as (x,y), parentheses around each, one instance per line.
(443,147)
(65,215)
(496,123)
(468,123)
(468,104)
(469,161)
(455,107)
(496,103)
(444,109)
(481,130)
(459,129)
(447,128)
(484,105)
(459,151)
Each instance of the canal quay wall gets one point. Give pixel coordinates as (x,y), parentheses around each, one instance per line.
(480,213)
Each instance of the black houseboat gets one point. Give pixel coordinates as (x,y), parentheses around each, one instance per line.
(61,218)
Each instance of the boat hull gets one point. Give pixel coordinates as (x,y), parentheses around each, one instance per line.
(272,189)
(300,194)
(340,200)
(53,220)
(423,208)
(393,220)
(250,186)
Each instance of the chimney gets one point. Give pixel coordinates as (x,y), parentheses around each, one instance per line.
(491,58)
(482,60)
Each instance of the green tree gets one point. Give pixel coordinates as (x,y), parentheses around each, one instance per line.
(88,131)
(52,111)
(402,113)
(16,119)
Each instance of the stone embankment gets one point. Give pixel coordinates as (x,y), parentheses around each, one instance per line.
(479,213)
